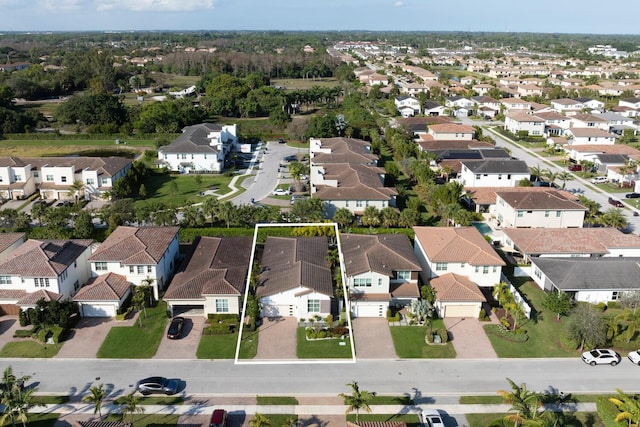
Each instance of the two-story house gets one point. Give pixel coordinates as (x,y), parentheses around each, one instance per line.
(143,255)
(493,172)
(212,278)
(451,132)
(200,148)
(295,280)
(381,271)
(516,122)
(408,106)
(538,209)
(590,136)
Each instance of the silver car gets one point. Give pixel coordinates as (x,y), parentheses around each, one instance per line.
(157,385)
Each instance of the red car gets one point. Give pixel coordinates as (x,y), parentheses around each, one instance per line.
(218,418)
(616,203)
(575,168)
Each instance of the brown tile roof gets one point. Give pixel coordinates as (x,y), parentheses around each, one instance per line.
(451,128)
(570,240)
(584,132)
(609,149)
(536,200)
(456,244)
(8,239)
(43,258)
(344,150)
(136,245)
(382,253)
(487,195)
(33,297)
(12,293)
(453,287)
(289,263)
(404,290)
(106,287)
(355,182)
(523,117)
(361,296)
(216,266)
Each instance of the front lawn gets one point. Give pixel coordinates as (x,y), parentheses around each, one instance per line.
(38,420)
(224,346)
(134,342)
(180,190)
(30,349)
(577,419)
(335,348)
(409,343)
(276,400)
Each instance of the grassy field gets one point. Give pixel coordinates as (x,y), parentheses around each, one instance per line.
(62,147)
(159,188)
(134,342)
(298,84)
(30,349)
(322,349)
(154,400)
(410,344)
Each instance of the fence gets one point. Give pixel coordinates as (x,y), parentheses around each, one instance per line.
(519,299)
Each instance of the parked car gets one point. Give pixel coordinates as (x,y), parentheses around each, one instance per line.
(175,328)
(632,195)
(615,202)
(432,418)
(601,356)
(575,167)
(599,180)
(281,141)
(281,192)
(157,385)
(634,356)
(218,418)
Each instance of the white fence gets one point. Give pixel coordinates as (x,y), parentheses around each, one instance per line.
(519,299)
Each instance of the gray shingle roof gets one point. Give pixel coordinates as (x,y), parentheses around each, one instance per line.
(194,140)
(382,253)
(496,166)
(573,274)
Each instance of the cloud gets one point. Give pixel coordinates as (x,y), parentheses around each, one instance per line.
(154,5)
(399,3)
(60,5)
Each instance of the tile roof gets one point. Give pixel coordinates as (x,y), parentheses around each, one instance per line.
(537,200)
(586,273)
(8,239)
(456,244)
(344,150)
(381,253)
(611,149)
(107,166)
(33,297)
(452,287)
(136,245)
(12,294)
(43,258)
(404,290)
(570,240)
(451,128)
(215,266)
(355,182)
(523,117)
(585,132)
(289,263)
(106,287)
(434,145)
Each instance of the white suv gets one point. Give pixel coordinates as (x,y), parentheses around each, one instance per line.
(599,180)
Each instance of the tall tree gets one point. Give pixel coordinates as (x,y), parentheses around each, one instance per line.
(132,406)
(586,326)
(524,402)
(559,302)
(95,397)
(358,399)
(16,399)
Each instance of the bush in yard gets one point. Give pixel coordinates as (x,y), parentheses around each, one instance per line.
(607,411)
(443,334)
(23,333)
(23,318)
(483,316)
(568,342)
(340,331)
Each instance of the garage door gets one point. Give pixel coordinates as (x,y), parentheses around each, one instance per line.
(98,310)
(370,310)
(272,310)
(10,309)
(453,310)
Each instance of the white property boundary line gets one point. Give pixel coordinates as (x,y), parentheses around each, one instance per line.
(246,296)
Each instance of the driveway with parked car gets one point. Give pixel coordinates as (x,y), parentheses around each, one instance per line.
(186,346)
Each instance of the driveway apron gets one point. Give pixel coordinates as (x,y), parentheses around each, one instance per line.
(185,347)
(87,337)
(373,338)
(277,338)
(469,339)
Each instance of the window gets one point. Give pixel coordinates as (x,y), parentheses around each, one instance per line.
(616,295)
(379,281)
(41,282)
(546,214)
(441,266)
(76,285)
(104,181)
(222,306)
(5,280)
(537,273)
(63,178)
(499,176)
(477,176)
(149,269)
(495,269)
(101,266)
(361,282)
(485,269)
(64,275)
(91,181)
(17,177)
(140,269)
(36,174)
(358,203)
(520,214)
(346,204)
(1,179)
(131,269)
(313,306)
(557,214)
(184,157)
(49,178)
(406,275)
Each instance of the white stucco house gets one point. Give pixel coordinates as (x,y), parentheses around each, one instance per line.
(408,106)
(493,173)
(295,280)
(590,136)
(548,209)
(143,255)
(381,271)
(200,148)
(517,121)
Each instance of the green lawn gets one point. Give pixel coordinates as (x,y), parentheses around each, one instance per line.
(410,344)
(224,346)
(154,400)
(543,329)
(276,400)
(322,349)
(134,342)
(51,400)
(30,349)
(392,400)
(64,147)
(578,419)
(148,420)
(482,400)
(159,188)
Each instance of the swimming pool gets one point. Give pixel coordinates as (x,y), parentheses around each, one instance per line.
(482,227)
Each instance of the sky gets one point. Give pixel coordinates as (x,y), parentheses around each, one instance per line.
(546,16)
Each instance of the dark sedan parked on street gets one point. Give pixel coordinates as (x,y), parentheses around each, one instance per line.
(157,385)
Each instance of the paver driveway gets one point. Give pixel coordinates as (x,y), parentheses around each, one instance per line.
(185,347)
(277,338)
(373,338)
(8,325)
(469,339)
(87,337)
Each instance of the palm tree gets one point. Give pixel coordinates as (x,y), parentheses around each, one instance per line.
(95,396)
(131,406)
(371,216)
(76,188)
(524,402)
(226,212)
(16,399)
(614,218)
(564,176)
(259,420)
(210,207)
(358,399)
(632,319)
(629,407)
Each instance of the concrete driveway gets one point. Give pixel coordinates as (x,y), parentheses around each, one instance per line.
(469,339)
(277,338)
(373,338)
(185,347)
(87,337)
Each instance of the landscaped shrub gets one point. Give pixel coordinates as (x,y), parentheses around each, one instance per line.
(567,342)
(221,317)
(443,334)
(23,318)
(392,315)
(613,304)
(23,333)
(221,328)
(483,316)
(601,306)
(520,335)
(340,331)
(607,411)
